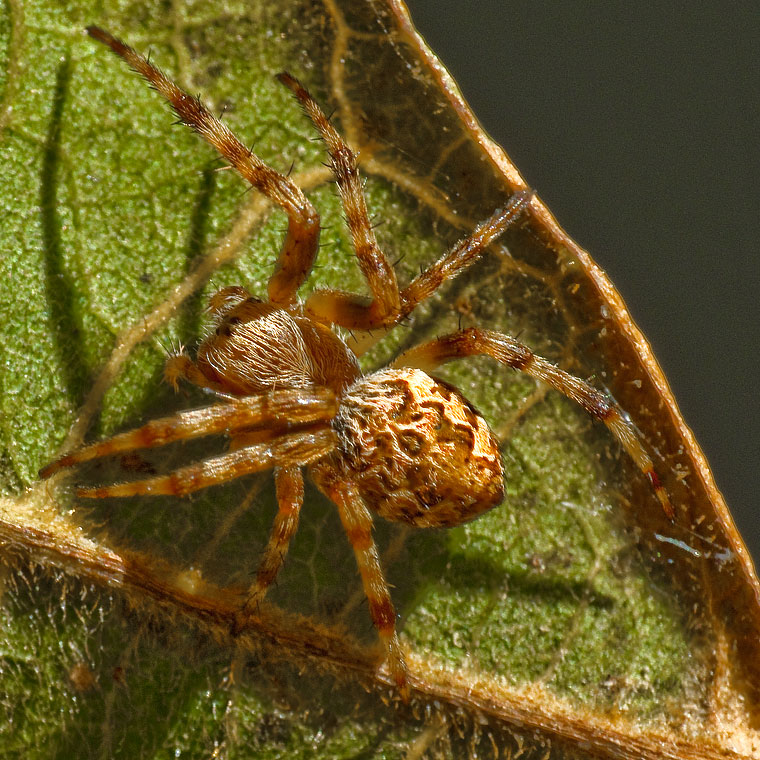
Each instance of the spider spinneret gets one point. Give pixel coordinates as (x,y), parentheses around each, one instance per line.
(398,442)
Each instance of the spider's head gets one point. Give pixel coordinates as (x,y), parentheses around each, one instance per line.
(225,300)
(256,346)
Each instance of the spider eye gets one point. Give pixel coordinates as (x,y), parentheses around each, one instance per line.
(225,299)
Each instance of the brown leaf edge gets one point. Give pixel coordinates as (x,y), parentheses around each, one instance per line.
(49,539)
(730,581)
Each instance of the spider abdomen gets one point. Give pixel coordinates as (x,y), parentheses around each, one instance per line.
(417,450)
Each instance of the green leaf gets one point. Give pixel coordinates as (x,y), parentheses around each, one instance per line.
(572,618)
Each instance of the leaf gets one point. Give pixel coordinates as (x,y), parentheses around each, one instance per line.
(573,619)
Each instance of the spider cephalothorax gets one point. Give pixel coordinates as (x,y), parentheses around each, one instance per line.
(258,346)
(397,442)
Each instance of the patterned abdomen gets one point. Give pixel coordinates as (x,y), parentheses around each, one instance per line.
(417,449)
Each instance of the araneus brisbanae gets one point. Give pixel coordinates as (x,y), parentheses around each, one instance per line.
(397,442)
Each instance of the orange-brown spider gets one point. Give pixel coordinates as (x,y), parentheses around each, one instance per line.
(397,442)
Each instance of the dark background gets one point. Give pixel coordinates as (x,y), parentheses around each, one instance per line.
(638,126)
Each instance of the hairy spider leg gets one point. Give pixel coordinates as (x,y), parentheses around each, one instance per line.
(388,305)
(357,522)
(507,350)
(346,309)
(302,241)
(289,489)
(290,450)
(464,253)
(279,408)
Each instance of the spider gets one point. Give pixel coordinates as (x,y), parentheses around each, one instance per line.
(398,443)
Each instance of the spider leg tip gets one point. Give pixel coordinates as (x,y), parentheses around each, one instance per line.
(667,506)
(46,471)
(101,35)
(59,464)
(662,495)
